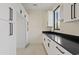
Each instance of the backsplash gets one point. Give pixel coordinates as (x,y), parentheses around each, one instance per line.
(70,28)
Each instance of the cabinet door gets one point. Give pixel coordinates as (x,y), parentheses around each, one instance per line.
(52,49)
(45,43)
(7,41)
(77,10)
(4,37)
(67,12)
(44,40)
(4,11)
(50,18)
(48,45)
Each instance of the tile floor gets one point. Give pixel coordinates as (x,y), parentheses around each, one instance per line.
(32,49)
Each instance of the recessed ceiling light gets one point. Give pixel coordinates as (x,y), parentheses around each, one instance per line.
(34,4)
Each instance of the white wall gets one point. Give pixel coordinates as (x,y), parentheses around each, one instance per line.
(37,23)
(70,28)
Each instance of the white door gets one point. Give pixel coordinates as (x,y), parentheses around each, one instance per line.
(20,31)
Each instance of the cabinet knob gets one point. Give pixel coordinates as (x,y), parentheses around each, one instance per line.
(44,39)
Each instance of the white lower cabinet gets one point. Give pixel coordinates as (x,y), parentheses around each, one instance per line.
(53,48)
(45,42)
(4,37)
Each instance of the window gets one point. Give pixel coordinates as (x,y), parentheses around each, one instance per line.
(57,18)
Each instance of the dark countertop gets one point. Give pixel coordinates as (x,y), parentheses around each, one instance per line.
(68,42)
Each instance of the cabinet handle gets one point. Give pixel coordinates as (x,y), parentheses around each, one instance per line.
(49,40)
(10,14)
(20,11)
(60,50)
(11,29)
(74,10)
(44,39)
(71,12)
(48,44)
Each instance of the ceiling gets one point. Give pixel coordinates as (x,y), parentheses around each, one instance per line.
(38,6)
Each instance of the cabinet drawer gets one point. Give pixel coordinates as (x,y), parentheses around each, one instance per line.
(52,49)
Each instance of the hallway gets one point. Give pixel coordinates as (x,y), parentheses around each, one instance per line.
(32,49)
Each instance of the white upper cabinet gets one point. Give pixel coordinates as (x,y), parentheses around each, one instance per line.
(66,12)
(4,11)
(70,12)
(77,10)
(50,18)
